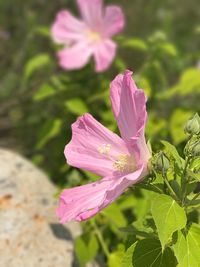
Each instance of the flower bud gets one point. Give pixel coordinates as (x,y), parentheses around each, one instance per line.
(162,163)
(196,150)
(192,127)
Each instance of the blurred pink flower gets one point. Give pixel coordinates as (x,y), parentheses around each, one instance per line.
(89,36)
(121,161)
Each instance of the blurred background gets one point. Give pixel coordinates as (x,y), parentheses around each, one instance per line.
(39,100)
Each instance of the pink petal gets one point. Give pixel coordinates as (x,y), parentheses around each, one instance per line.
(129,106)
(75,57)
(67,28)
(91,12)
(87,149)
(83,202)
(104,54)
(114,21)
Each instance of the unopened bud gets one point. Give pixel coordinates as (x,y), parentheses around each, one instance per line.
(196,150)
(192,127)
(162,163)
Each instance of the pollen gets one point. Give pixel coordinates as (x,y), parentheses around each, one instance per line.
(104,149)
(125,163)
(93,36)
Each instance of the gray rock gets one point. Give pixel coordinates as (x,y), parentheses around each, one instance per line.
(30,234)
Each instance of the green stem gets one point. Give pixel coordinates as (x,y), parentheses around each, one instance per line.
(173,194)
(100,238)
(184,181)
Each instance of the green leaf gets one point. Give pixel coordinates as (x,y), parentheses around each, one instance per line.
(49,130)
(127,259)
(115,215)
(43,31)
(93,247)
(168,216)
(173,153)
(187,247)
(169,49)
(36,63)
(194,171)
(189,83)
(126,202)
(148,253)
(44,92)
(115,259)
(135,43)
(76,106)
(81,251)
(86,250)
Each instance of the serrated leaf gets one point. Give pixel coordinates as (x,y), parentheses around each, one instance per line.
(76,106)
(36,63)
(187,248)
(148,253)
(168,216)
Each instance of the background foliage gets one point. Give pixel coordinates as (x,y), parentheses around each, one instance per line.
(39,101)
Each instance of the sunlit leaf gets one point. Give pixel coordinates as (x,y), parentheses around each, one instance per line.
(127,259)
(177,122)
(135,43)
(187,247)
(168,216)
(169,49)
(115,259)
(76,106)
(189,84)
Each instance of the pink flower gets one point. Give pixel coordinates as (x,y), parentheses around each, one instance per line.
(89,36)
(121,161)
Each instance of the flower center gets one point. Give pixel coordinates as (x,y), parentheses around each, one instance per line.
(93,36)
(125,163)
